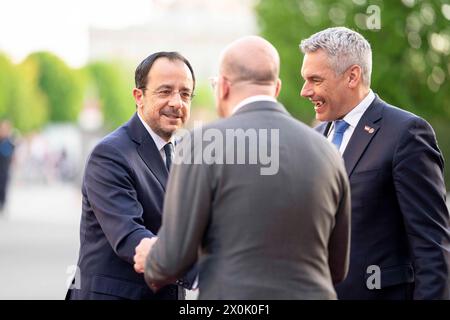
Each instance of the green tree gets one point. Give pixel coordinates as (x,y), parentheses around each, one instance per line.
(20,98)
(410,51)
(61,85)
(112,85)
(29,107)
(6,72)
(204,97)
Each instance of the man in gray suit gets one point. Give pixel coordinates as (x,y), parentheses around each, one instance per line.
(258,232)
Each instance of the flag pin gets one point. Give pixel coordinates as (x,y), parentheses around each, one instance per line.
(369,129)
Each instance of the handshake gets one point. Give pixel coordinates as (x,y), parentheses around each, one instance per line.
(141,253)
(140,256)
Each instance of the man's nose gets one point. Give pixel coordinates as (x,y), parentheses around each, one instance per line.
(175,100)
(306,90)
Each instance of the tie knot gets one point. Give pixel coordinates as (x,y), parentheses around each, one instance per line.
(340,126)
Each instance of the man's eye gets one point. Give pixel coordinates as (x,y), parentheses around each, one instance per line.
(164,92)
(185,95)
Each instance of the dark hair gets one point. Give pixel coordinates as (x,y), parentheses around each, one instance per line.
(142,70)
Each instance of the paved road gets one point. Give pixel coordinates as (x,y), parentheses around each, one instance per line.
(39,241)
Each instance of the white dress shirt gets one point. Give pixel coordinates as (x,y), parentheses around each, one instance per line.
(160,142)
(352,118)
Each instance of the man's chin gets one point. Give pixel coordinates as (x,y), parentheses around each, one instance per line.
(172,121)
(165,132)
(324,117)
(170,129)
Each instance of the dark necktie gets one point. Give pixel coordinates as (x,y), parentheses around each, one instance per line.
(168,151)
(339,128)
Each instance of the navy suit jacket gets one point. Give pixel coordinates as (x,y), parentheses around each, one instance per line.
(123,193)
(400,222)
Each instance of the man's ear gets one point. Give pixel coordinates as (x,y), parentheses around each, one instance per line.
(354,76)
(138,96)
(278,88)
(224,88)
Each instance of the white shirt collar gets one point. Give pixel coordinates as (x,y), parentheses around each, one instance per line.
(353,117)
(160,142)
(252,99)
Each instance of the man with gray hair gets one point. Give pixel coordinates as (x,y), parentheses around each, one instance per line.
(400,238)
(278,236)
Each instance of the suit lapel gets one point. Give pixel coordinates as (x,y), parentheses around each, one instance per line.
(323,128)
(147,150)
(150,155)
(364,132)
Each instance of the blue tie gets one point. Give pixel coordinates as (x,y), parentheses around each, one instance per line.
(168,151)
(339,128)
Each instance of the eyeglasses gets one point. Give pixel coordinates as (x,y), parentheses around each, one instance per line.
(213,81)
(185,95)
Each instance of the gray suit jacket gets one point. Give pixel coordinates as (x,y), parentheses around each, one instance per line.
(280,236)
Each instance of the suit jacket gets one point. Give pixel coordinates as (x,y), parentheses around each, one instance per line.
(281,236)
(400,222)
(123,191)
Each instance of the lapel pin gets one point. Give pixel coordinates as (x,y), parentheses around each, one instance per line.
(369,129)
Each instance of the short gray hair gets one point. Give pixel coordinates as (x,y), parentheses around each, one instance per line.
(344,48)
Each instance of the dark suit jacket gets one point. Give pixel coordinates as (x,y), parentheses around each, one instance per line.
(400,221)
(123,191)
(279,236)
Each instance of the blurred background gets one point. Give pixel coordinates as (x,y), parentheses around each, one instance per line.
(67,73)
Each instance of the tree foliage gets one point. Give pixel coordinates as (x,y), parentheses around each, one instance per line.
(21,101)
(61,85)
(6,71)
(204,98)
(410,51)
(112,86)
(29,108)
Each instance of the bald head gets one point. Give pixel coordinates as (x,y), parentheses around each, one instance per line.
(249,67)
(252,59)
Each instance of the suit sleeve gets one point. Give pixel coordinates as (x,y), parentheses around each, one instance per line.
(339,243)
(419,184)
(112,196)
(185,219)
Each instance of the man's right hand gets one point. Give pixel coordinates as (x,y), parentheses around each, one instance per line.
(142,251)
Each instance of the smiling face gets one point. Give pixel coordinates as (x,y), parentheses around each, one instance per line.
(165,102)
(330,93)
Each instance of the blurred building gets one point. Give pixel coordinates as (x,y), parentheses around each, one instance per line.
(198,29)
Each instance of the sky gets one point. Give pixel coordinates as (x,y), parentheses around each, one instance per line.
(61,26)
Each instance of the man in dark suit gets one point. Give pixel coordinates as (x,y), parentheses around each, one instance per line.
(269,228)
(400,241)
(125,180)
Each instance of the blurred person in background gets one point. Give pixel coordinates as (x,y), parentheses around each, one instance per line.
(6,154)
(400,247)
(124,184)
